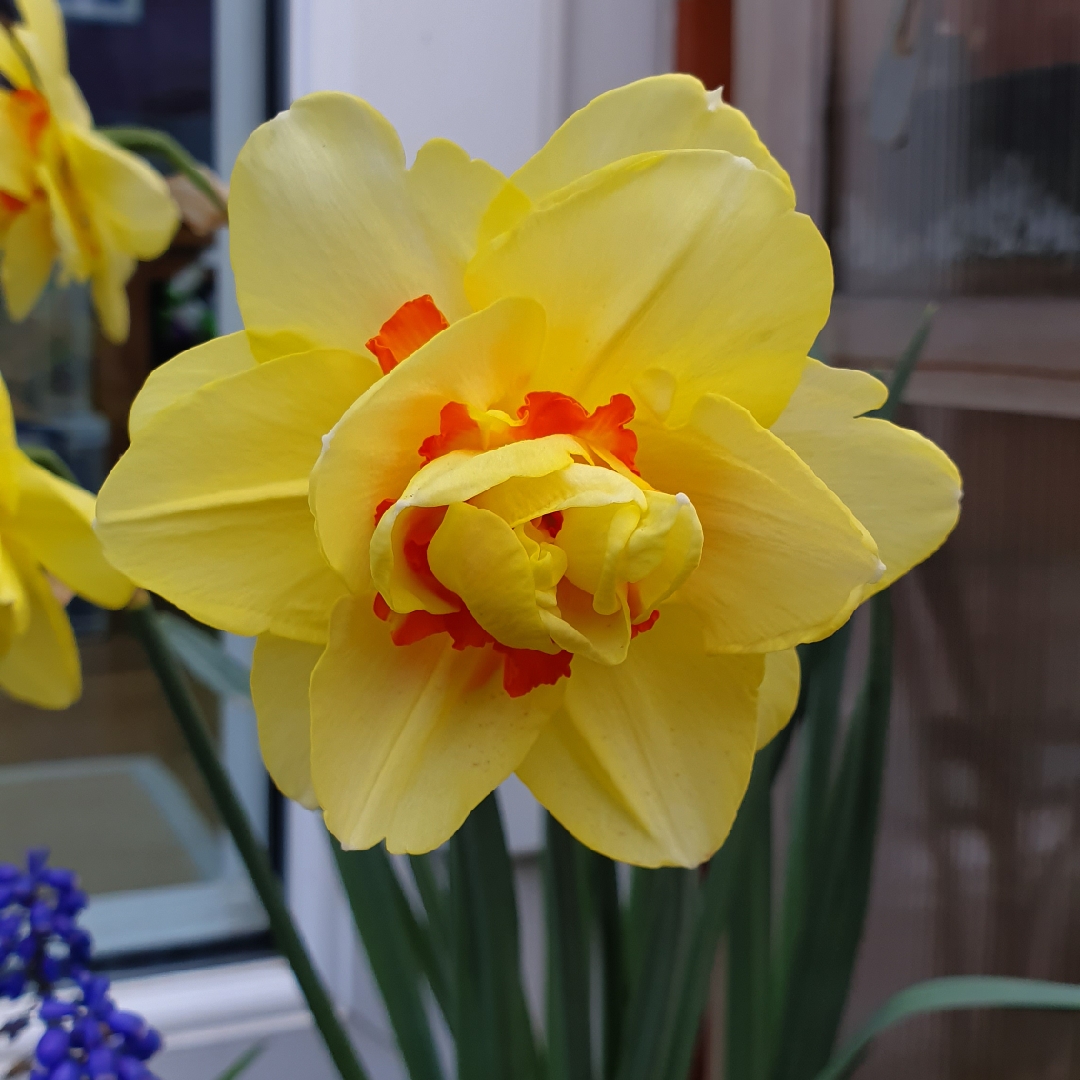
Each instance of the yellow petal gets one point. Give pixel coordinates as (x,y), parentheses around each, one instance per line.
(455,477)
(29,251)
(778,694)
(76,242)
(406,741)
(54,521)
(108,281)
(11,64)
(9,454)
(280,675)
(783,558)
(14,600)
(42,36)
(42,665)
(128,200)
(648,761)
(186,373)
(903,489)
(16,162)
(523,498)
(373,452)
(580,629)
(691,262)
(475,554)
(330,236)
(451,193)
(666,112)
(209,506)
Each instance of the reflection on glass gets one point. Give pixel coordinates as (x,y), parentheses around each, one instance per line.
(108,784)
(958,169)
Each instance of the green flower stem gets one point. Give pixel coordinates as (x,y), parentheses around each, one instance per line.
(145,626)
(150,141)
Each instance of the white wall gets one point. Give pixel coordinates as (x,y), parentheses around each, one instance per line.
(495,76)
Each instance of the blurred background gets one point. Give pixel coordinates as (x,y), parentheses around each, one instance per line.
(937,145)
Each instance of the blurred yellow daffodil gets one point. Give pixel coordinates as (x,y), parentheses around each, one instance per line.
(67,193)
(524,475)
(48,552)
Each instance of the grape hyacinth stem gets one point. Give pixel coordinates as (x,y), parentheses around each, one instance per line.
(144,624)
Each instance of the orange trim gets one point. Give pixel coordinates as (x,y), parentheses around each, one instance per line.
(545,412)
(414,324)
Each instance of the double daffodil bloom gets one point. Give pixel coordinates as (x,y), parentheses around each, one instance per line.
(67,194)
(48,551)
(524,475)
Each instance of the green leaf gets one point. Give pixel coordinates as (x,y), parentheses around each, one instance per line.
(569,1039)
(669,915)
(712,918)
(824,663)
(906,364)
(437,908)
(491,1025)
(748,950)
(836,906)
(379,910)
(949,994)
(609,922)
(203,656)
(243,1062)
(153,143)
(51,461)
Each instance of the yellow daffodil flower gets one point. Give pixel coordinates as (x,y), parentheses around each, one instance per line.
(524,475)
(48,552)
(67,193)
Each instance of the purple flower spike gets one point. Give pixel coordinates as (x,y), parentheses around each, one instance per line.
(101,1064)
(52,1010)
(53,1047)
(40,944)
(66,1070)
(36,858)
(132,1069)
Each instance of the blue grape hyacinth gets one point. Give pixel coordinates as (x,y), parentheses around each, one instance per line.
(40,942)
(45,953)
(89,1038)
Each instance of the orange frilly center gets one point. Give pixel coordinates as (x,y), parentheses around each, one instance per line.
(542,413)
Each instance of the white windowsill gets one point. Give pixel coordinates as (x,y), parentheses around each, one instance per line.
(247,1000)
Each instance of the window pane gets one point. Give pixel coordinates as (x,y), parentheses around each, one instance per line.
(958,169)
(108,785)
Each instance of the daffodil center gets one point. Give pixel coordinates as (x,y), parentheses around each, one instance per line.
(532,534)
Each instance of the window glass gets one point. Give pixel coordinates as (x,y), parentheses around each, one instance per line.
(108,784)
(957,169)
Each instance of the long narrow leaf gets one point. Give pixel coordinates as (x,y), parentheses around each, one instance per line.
(608,916)
(372,890)
(651,1012)
(569,1039)
(905,366)
(202,654)
(748,953)
(950,994)
(836,906)
(713,916)
(827,659)
(243,1062)
(492,1029)
(436,904)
